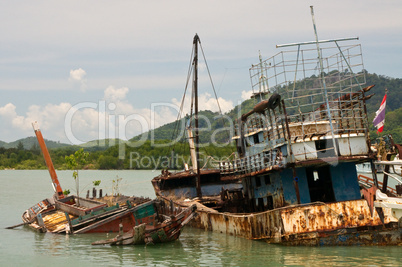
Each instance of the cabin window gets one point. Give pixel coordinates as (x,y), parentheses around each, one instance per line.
(325,148)
(257,181)
(270,204)
(260,204)
(320,184)
(255,137)
(267,179)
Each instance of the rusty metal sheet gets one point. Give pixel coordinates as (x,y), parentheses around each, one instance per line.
(304,150)
(298,151)
(310,149)
(308,129)
(341,223)
(329,216)
(344,146)
(358,145)
(347,237)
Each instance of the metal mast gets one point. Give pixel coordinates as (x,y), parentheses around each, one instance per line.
(195,87)
(323,82)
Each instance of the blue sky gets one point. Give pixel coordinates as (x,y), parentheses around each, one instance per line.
(94,69)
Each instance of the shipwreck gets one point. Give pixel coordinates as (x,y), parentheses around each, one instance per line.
(294,180)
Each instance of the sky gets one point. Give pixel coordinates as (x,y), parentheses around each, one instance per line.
(88,70)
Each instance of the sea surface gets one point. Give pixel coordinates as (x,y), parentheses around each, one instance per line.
(20,190)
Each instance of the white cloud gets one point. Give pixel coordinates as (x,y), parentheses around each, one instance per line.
(8,111)
(246,94)
(78,76)
(112,94)
(206,102)
(50,118)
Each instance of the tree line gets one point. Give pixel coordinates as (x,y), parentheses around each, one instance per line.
(157,155)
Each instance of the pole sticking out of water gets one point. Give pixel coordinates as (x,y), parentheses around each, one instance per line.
(323,81)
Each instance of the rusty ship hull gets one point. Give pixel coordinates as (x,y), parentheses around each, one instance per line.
(338,224)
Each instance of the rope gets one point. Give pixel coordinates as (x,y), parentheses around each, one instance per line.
(213,87)
(176,129)
(184,95)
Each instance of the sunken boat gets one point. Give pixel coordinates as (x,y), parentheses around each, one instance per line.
(156,229)
(294,180)
(76,215)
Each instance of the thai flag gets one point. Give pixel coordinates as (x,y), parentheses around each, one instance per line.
(380,116)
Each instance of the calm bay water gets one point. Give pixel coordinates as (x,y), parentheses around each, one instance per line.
(22,246)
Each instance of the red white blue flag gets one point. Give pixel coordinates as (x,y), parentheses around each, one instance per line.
(380,115)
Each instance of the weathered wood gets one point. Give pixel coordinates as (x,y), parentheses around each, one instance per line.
(18,225)
(106,220)
(165,231)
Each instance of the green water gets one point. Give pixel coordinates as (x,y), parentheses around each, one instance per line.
(23,247)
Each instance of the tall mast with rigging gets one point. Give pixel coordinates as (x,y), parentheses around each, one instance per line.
(195,88)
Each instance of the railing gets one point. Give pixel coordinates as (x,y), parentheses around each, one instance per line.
(254,163)
(310,103)
(370,182)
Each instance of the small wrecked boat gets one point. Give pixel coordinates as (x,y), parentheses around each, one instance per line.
(294,178)
(64,216)
(158,229)
(76,215)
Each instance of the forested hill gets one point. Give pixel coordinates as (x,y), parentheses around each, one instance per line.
(31,142)
(393,116)
(393,119)
(394,97)
(212,125)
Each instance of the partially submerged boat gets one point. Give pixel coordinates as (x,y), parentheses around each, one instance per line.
(76,215)
(294,181)
(90,216)
(159,229)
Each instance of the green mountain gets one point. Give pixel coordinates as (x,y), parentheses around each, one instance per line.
(3,144)
(30,142)
(212,125)
(100,145)
(393,115)
(394,95)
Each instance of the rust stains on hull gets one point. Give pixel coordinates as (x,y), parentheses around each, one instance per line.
(370,236)
(340,223)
